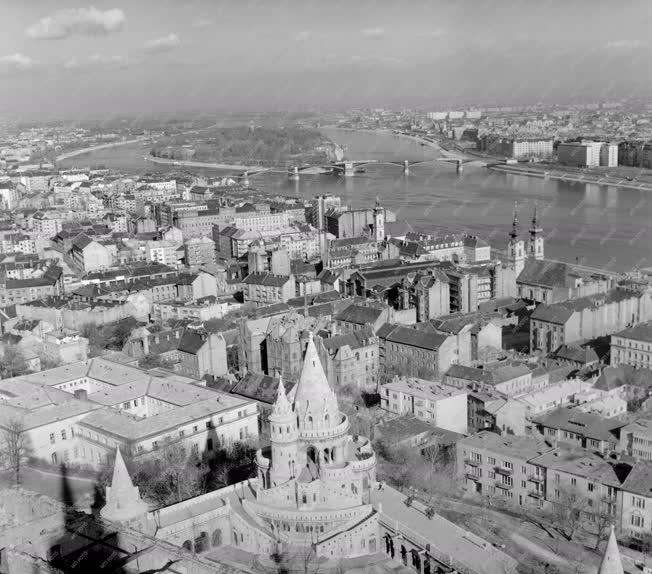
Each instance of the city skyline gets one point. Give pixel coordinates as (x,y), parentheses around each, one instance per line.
(72,58)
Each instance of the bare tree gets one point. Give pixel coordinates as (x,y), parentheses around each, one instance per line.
(567,512)
(15,445)
(601,522)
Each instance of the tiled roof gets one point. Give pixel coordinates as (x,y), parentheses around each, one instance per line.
(580,462)
(578,354)
(191,342)
(585,424)
(416,338)
(543,272)
(641,332)
(639,480)
(359,314)
(266,279)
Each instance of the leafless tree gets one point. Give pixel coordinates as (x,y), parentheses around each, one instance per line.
(601,522)
(567,512)
(16,448)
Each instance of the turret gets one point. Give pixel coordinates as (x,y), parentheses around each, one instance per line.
(535,243)
(284,434)
(516,247)
(123,502)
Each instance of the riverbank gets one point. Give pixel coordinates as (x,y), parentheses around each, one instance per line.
(91,149)
(596,179)
(201,164)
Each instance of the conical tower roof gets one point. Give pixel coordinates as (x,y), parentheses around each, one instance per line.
(611,563)
(121,479)
(123,502)
(281,404)
(313,385)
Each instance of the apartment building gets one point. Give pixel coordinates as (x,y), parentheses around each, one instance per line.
(350,359)
(265,288)
(632,346)
(587,430)
(435,403)
(493,465)
(79,413)
(637,501)
(587,318)
(636,439)
(419,351)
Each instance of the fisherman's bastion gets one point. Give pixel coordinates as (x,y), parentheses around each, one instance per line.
(314,506)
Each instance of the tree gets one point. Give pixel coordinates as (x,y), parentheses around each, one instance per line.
(601,522)
(15,445)
(154,362)
(567,512)
(13,362)
(440,470)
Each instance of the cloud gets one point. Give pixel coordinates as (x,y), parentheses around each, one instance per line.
(623,44)
(99,62)
(202,23)
(436,33)
(16,63)
(303,35)
(163,44)
(373,32)
(377,61)
(81,21)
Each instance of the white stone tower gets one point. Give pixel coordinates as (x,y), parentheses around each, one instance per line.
(322,428)
(379,222)
(536,241)
(516,247)
(123,502)
(284,436)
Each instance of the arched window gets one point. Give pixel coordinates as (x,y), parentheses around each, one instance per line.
(327,418)
(187,545)
(217,538)
(304,499)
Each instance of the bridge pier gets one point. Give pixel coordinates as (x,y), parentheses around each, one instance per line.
(406,167)
(245,179)
(294,174)
(349,169)
(458,167)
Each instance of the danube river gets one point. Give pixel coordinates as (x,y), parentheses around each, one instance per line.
(595,225)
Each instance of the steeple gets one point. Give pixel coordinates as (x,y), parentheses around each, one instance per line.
(514,232)
(123,502)
(379,221)
(535,243)
(516,246)
(611,563)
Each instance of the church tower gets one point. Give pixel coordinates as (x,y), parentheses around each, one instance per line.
(516,247)
(123,502)
(284,435)
(379,222)
(535,243)
(611,563)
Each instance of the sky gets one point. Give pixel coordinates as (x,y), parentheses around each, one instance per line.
(86,59)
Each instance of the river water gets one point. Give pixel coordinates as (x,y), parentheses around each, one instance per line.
(604,226)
